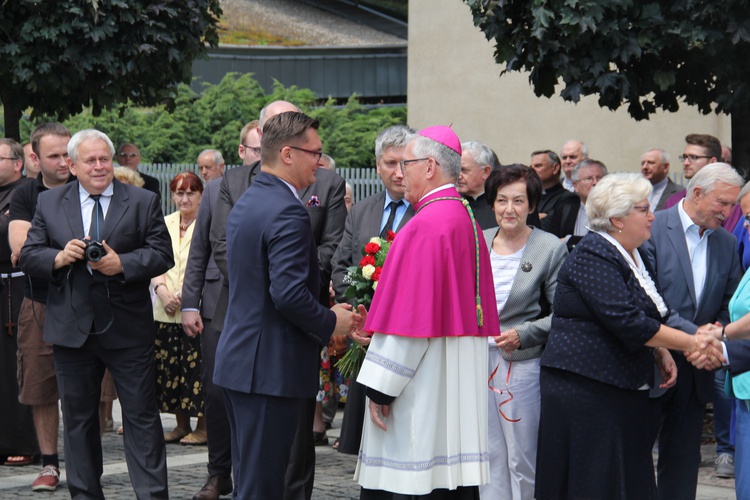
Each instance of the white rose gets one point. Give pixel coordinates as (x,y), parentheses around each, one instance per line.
(375,285)
(367,271)
(375,240)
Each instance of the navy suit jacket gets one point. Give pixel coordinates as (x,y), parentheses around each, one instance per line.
(78,300)
(602,318)
(275,324)
(668,254)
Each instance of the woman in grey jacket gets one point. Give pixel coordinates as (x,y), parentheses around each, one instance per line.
(525,262)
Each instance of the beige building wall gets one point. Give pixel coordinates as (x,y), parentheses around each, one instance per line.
(453,78)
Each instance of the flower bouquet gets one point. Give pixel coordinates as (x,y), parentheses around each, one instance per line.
(363,280)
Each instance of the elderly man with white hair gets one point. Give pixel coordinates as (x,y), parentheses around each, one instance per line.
(697,268)
(432,312)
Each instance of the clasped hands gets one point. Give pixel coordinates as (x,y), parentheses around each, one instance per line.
(75,249)
(708,352)
(349,321)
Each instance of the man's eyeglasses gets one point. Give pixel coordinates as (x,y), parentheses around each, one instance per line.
(692,158)
(255,151)
(589,180)
(317,154)
(127,155)
(404,163)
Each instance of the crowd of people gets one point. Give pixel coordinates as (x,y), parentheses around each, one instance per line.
(535,330)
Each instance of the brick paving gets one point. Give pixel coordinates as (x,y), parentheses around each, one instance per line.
(187,472)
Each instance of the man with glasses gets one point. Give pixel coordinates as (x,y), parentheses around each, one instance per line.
(655,168)
(130,156)
(700,150)
(325,205)
(425,370)
(249,148)
(268,355)
(18,439)
(571,154)
(570,222)
(697,269)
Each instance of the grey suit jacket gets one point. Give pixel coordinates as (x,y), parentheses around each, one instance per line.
(327,219)
(668,254)
(362,223)
(529,305)
(203,280)
(672,188)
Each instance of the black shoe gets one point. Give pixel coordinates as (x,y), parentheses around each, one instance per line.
(320,438)
(215,487)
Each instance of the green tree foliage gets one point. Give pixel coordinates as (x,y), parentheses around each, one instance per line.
(61,56)
(214,119)
(650,54)
(647,54)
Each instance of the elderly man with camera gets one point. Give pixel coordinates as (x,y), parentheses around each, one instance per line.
(99,312)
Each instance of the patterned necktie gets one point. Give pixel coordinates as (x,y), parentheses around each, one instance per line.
(392,206)
(97,217)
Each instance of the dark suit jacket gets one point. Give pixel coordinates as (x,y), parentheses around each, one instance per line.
(78,300)
(203,280)
(668,254)
(671,189)
(275,325)
(327,223)
(151,183)
(602,318)
(362,223)
(554,199)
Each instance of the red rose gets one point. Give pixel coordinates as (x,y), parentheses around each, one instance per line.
(372,248)
(367,259)
(376,274)
(390,236)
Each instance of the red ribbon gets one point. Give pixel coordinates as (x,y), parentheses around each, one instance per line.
(499,391)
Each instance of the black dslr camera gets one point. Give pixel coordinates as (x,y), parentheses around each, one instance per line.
(94,251)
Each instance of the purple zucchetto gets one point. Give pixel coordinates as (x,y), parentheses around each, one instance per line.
(444,135)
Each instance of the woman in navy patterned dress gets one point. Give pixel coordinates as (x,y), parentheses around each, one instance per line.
(607,331)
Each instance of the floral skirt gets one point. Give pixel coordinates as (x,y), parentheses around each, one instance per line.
(332,383)
(178,371)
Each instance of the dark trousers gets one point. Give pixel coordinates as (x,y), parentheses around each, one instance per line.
(677,418)
(214,409)
(300,475)
(79,376)
(262,432)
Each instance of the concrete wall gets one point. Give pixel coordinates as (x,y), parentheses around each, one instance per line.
(453,78)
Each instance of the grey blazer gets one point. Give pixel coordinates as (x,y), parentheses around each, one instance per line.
(362,223)
(541,261)
(671,189)
(668,254)
(203,280)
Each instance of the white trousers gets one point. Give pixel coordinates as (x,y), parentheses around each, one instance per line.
(512,445)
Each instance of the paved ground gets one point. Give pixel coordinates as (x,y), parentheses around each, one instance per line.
(187,470)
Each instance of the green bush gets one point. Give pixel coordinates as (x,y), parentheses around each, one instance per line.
(214,118)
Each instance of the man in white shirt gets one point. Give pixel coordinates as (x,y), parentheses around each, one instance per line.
(655,168)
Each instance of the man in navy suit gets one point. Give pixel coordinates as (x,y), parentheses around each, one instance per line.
(268,354)
(99,312)
(697,268)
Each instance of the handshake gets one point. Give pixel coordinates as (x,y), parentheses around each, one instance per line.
(348,320)
(708,352)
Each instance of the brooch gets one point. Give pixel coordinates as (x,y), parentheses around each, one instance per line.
(314,201)
(526,267)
